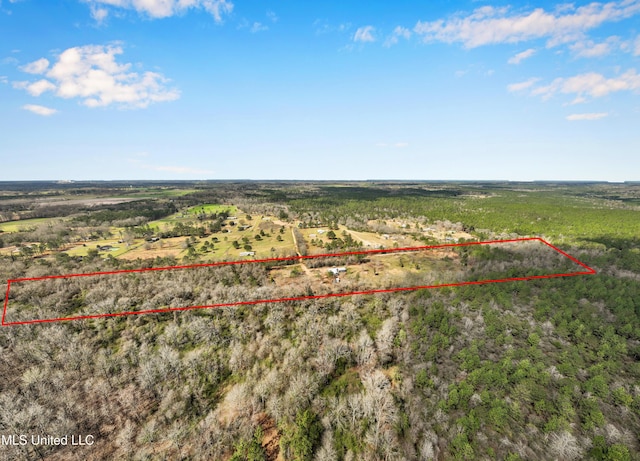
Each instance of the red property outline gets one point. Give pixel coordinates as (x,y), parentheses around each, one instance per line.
(589,271)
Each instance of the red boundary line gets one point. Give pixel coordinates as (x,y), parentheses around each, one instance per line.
(589,271)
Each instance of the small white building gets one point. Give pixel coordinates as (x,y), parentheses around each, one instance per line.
(337,270)
(320,231)
(247,253)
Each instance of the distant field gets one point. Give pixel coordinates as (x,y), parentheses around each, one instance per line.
(144,192)
(211,208)
(166,192)
(16,226)
(262,247)
(163,248)
(117,250)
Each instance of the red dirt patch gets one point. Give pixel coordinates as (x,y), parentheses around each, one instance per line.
(270,438)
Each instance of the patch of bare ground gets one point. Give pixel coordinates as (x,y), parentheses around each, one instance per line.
(270,437)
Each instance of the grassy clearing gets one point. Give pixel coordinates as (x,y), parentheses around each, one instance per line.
(17,226)
(210,208)
(83,248)
(224,248)
(172,219)
(166,192)
(173,247)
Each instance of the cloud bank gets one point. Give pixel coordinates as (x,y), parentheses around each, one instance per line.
(91,74)
(161,8)
(489,25)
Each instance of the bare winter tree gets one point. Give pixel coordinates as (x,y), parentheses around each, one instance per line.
(384,339)
(364,350)
(565,446)
(327,451)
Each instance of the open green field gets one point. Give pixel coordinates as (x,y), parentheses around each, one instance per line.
(210,208)
(267,246)
(17,226)
(164,193)
(174,218)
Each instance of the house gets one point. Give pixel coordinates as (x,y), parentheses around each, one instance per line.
(336,270)
(321,231)
(247,253)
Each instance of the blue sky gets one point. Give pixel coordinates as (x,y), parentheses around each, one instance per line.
(237,89)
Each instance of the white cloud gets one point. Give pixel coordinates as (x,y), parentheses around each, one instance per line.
(518,58)
(40,110)
(489,25)
(4,79)
(364,34)
(272,16)
(167,8)
(521,86)
(398,32)
(589,49)
(36,67)
(35,88)
(92,74)
(99,14)
(591,116)
(258,27)
(590,84)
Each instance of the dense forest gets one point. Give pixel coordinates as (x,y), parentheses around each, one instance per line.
(537,369)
